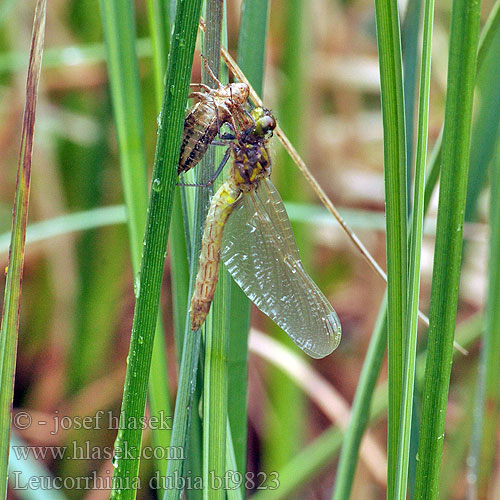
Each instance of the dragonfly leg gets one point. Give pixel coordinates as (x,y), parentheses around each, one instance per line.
(206,88)
(237,132)
(225,140)
(197,95)
(214,176)
(247,131)
(217,120)
(210,72)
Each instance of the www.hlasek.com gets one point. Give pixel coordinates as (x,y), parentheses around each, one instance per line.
(231,480)
(87,451)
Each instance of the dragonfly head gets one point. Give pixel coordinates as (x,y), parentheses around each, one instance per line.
(265,122)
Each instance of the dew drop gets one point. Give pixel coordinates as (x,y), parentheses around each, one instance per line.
(137,287)
(156,185)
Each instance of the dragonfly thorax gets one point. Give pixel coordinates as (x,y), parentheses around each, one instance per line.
(251,163)
(236,92)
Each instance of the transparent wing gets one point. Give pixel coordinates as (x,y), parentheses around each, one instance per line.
(260,252)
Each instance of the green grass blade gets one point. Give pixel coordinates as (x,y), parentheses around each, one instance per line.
(409,39)
(487,409)
(417,226)
(159,27)
(444,295)
(350,447)
(215,397)
(182,431)
(360,410)
(216,329)
(116,214)
(233,493)
(159,17)
(485,135)
(159,400)
(305,466)
(183,405)
(68,56)
(118,22)
(179,265)
(69,223)
(434,169)
(391,81)
(160,207)
(12,295)
(252,41)
(488,34)
(281,443)
(251,58)
(458,443)
(485,127)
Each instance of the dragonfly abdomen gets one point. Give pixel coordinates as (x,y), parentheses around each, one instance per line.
(221,207)
(200,129)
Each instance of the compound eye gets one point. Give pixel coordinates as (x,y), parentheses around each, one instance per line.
(265,125)
(268,124)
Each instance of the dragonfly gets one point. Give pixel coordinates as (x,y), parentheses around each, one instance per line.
(212,109)
(247,227)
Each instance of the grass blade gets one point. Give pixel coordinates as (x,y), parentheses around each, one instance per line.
(409,39)
(216,328)
(360,411)
(118,22)
(391,81)
(252,41)
(251,57)
(215,404)
(159,26)
(488,34)
(233,493)
(281,443)
(458,443)
(487,409)
(447,256)
(12,294)
(417,226)
(159,212)
(485,127)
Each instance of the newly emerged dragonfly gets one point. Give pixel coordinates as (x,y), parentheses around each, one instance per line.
(214,107)
(248,228)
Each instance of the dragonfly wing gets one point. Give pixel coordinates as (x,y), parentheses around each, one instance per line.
(260,252)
